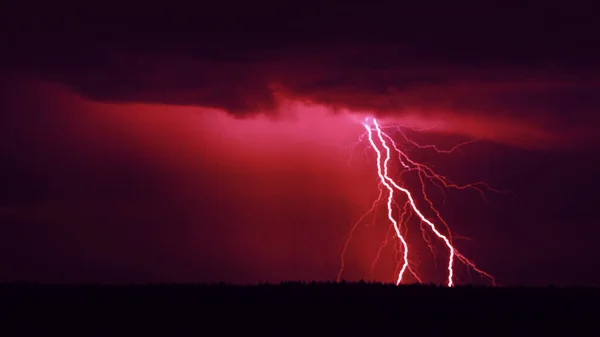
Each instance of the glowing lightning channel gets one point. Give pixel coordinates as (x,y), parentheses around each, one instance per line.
(385,181)
(412,202)
(390,185)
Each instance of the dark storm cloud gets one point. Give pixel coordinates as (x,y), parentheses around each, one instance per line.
(534,62)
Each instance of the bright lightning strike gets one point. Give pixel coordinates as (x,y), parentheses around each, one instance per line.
(383,145)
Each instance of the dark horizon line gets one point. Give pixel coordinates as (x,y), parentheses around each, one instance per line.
(284,284)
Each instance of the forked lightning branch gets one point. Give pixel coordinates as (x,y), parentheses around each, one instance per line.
(393,192)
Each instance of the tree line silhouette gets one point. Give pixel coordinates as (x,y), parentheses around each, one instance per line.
(299,308)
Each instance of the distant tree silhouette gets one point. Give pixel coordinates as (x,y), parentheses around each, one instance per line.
(313,308)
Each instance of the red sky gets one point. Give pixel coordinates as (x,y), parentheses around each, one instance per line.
(164,192)
(197,154)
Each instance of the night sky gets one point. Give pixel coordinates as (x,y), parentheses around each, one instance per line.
(216,143)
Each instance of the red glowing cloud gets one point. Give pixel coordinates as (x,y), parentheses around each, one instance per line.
(190,185)
(522,107)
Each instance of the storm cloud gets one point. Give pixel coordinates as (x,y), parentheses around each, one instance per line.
(530,65)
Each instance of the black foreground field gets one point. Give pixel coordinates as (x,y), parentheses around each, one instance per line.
(297,309)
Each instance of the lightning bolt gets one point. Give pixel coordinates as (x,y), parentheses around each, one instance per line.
(382,144)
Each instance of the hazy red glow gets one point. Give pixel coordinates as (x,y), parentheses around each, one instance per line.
(274,196)
(141,155)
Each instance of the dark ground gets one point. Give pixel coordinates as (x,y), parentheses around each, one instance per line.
(296,309)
